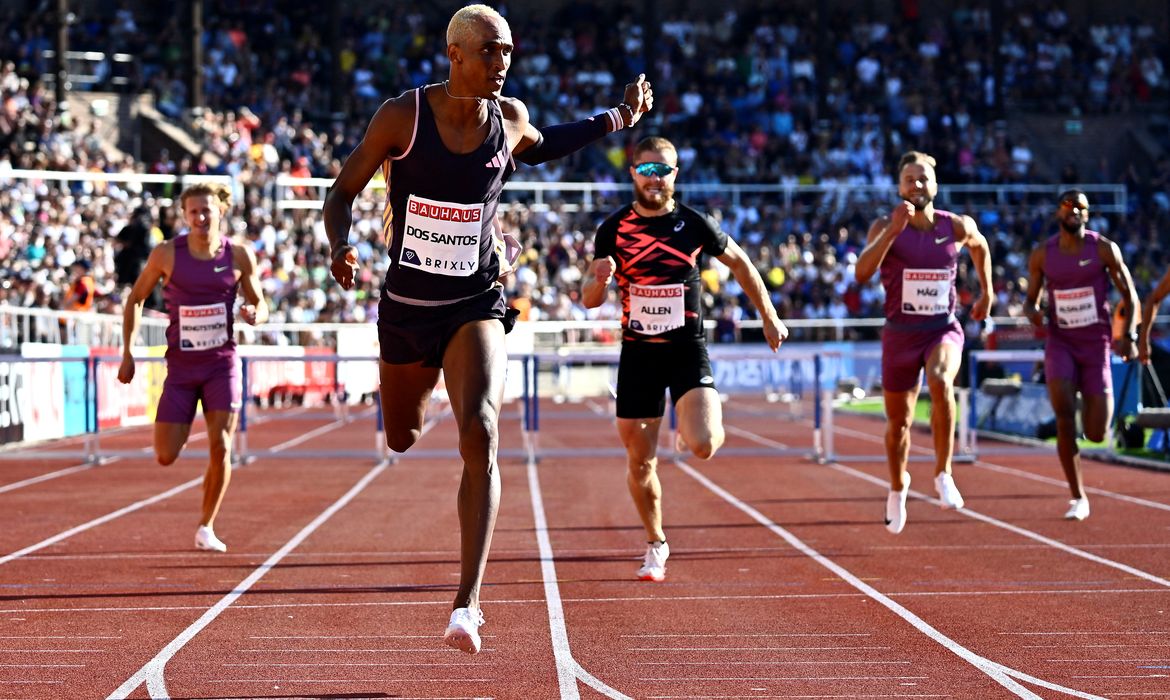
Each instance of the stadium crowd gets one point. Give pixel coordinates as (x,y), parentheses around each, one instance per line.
(752,96)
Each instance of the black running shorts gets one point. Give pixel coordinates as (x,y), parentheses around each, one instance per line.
(409,333)
(647,370)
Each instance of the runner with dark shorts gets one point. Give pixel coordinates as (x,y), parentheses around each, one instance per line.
(652,248)
(1075,266)
(917,250)
(202,271)
(446,151)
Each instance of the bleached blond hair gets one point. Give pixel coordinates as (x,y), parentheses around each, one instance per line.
(465,21)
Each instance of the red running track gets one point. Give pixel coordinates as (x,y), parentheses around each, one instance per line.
(782,583)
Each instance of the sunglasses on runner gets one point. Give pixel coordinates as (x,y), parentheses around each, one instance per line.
(659,169)
(1074,204)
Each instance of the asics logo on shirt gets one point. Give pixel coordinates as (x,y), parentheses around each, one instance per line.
(679,225)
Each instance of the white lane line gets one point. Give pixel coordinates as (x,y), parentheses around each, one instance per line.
(612,599)
(1003,675)
(1109,661)
(61,636)
(747,636)
(1001,469)
(412,664)
(1092,632)
(749,648)
(152,672)
(152,500)
(975,515)
(568,670)
(885,662)
(792,678)
(66,471)
(43,665)
(400,650)
(791,697)
(1048,541)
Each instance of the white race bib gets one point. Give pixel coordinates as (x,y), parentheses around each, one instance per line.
(441,237)
(202,327)
(926,292)
(656,309)
(1075,308)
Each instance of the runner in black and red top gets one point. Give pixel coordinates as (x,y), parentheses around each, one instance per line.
(446,151)
(652,248)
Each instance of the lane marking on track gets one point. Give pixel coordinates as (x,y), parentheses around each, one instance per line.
(139,505)
(568,670)
(631,599)
(66,471)
(152,672)
(1002,469)
(975,515)
(1007,677)
(788,678)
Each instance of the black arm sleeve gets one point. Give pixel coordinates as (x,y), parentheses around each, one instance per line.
(559,140)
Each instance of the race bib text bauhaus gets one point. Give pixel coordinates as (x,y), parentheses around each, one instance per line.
(442,237)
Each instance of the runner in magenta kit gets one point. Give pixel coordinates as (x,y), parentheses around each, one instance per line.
(446,151)
(202,271)
(1075,265)
(917,250)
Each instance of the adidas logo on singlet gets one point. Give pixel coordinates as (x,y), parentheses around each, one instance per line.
(498,160)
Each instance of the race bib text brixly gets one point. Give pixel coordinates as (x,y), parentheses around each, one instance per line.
(441,237)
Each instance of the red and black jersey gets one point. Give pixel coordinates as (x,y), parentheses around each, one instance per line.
(658,261)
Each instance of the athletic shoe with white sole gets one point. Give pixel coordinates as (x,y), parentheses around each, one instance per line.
(1078,509)
(896,507)
(206,540)
(948,493)
(654,564)
(463,630)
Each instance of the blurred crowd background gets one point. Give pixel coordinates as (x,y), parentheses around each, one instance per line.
(751,93)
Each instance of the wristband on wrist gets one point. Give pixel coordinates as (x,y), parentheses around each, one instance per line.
(628,109)
(340,251)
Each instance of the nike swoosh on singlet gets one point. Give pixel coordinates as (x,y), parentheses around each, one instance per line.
(1082,263)
(221,269)
(940,241)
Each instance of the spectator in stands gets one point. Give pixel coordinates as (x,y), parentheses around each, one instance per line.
(82,288)
(202,272)
(651,247)
(916,248)
(446,151)
(1075,265)
(134,246)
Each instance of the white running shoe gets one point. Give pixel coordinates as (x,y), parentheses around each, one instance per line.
(1078,509)
(206,540)
(896,507)
(654,564)
(948,493)
(463,630)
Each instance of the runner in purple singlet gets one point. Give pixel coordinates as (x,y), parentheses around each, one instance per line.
(202,271)
(916,249)
(1075,265)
